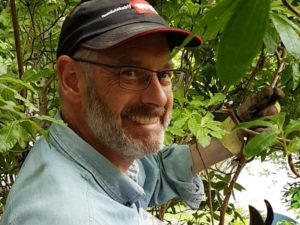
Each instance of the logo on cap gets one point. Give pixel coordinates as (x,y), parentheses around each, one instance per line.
(142,6)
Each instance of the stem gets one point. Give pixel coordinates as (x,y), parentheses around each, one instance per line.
(15,22)
(280,67)
(209,185)
(291,8)
(17,37)
(292,166)
(259,65)
(241,165)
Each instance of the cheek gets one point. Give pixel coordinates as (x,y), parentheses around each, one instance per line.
(169,106)
(115,98)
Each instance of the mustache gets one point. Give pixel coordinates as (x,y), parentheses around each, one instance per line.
(144,110)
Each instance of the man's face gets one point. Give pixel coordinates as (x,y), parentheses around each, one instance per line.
(130,122)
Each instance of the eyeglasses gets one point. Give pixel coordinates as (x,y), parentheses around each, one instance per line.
(138,78)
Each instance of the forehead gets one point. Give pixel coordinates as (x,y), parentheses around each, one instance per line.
(150,46)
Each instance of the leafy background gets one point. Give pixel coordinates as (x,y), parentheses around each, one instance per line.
(249,44)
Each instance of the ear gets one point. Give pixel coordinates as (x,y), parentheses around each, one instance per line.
(70,77)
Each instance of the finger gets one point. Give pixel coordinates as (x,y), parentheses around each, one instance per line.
(278,94)
(263,97)
(268,111)
(254,103)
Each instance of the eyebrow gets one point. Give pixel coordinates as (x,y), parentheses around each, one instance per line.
(136,62)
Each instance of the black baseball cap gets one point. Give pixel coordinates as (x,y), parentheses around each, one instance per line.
(102,24)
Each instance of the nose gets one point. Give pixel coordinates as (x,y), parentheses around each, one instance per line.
(155,94)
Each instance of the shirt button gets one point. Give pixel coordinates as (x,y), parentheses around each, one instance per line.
(127,204)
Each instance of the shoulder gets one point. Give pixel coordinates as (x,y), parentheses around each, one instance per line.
(49,188)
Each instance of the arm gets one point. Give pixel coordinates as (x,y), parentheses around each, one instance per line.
(258,105)
(210,155)
(169,175)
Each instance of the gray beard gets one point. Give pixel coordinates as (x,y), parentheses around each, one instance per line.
(104,126)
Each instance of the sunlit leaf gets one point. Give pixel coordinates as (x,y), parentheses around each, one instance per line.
(194,124)
(202,137)
(271,39)
(50,119)
(260,143)
(279,119)
(216,99)
(18,82)
(294,145)
(12,134)
(255,123)
(293,126)
(288,35)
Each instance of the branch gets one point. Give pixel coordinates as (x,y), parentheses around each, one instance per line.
(280,67)
(55,21)
(259,65)
(14,18)
(292,166)
(241,165)
(291,8)
(209,184)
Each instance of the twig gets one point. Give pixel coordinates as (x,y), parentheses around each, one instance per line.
(292,166)
(17,37)
(259,65)
(250,132)
(241,165)
(209,185)
(15,22)
(291,8)
(162,210)
(277,74)
(280,67)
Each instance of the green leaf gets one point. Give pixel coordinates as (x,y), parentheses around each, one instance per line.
(216,19)
(287,74)
(295,75)
(32,75)
(50,119)
(18,82)
(294,145)
(271,39)
(10,107)
(12,134)
(288,35)
(293,126)
(179,123)
(239,187)
(194,124)
(279,119)
(202,137)
(216,99)
(260,143)
(255,123)
(176,131)
(242,39)
(179,95)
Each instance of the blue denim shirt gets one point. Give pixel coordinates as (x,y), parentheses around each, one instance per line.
(67,182)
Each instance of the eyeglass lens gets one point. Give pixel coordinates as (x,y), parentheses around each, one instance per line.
(138,78)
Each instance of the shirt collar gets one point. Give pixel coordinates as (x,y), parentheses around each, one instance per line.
(115,183)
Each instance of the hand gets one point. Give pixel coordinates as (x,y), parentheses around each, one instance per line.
(257,105)
(261,104)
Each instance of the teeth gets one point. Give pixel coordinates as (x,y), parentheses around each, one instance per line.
(144,119)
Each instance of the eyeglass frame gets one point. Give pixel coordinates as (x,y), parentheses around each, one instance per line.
(182,72)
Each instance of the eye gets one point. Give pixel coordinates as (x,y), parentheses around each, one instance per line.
(130,73)
(165,77)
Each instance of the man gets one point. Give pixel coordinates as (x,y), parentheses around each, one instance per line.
(115,74)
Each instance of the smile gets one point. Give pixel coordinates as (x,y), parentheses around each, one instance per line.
(144,119)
